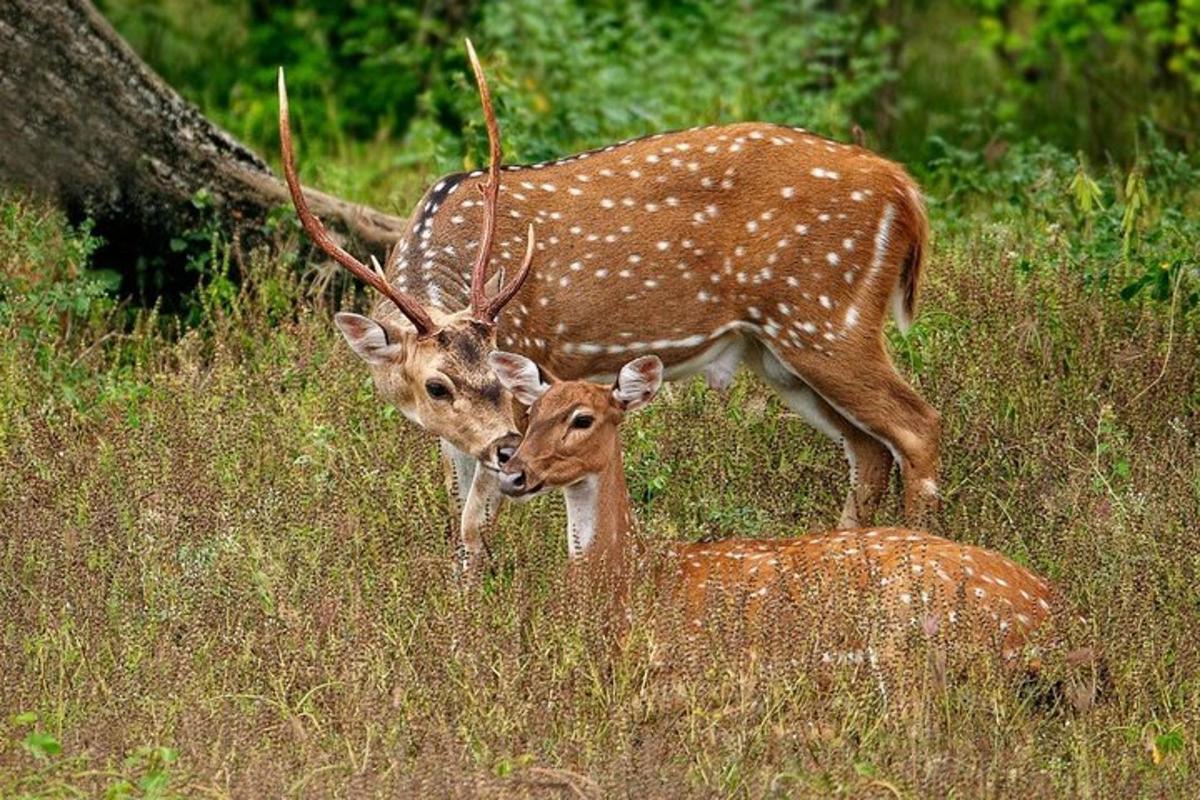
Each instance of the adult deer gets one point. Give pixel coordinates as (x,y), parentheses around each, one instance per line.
(907,579)
(711,246)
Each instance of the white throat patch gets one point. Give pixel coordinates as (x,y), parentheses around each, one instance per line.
(582,498)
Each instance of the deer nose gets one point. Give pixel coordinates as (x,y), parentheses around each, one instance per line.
(512,483)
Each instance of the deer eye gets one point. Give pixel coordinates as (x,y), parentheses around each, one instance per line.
(437,389)
(582,421)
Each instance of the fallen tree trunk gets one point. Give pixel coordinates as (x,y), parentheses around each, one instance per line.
(85,122)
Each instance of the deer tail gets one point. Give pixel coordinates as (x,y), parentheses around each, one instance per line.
(912,219)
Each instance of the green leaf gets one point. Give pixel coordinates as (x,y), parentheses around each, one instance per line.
(1169,742)
(1136,200)
(42,744)
(202,199)
(121,790)
(153,783)
(1131,290)
(1086,191)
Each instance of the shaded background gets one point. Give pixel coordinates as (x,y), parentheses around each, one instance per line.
(920,78)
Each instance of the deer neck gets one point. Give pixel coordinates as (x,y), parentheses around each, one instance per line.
(599,516)
(439,284)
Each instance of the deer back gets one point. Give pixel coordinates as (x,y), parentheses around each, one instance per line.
(664,244)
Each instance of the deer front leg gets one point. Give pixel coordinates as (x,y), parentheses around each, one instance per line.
(478,513)
(461,470)
(458,469)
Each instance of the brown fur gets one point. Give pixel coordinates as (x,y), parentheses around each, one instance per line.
(909,580)
(676,243)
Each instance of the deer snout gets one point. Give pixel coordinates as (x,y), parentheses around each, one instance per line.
(513,482)
(518,480)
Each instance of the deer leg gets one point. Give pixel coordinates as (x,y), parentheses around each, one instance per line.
(870,470)
(458,469)
(719,372)
(870,460)
(877,400)
(479,512)
(474,501)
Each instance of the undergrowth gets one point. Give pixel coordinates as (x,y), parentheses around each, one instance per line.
(226,567)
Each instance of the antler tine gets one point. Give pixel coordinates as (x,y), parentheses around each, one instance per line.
(408,305)
(507,293)
(491,193)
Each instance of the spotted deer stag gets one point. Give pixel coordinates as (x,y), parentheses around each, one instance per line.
(714,246)
(909,578)
(426,345)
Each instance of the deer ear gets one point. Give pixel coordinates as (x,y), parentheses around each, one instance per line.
(638,382)
(519,375)
(369,339)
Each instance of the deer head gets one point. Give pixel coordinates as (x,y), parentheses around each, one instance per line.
(433,368)
(572,431)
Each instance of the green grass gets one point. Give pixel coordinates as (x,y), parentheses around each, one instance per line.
(225,568)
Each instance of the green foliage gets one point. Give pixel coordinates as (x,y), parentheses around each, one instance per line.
(1140,244)
(1108,63)
(574,75)
(145,774)
(50,301)
(577,74)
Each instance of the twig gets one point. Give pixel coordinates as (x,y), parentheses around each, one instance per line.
(87,351)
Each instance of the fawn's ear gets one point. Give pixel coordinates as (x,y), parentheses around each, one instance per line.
(369,339)
(519,375)
(638,382)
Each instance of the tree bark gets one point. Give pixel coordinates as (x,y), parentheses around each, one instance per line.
(85,122)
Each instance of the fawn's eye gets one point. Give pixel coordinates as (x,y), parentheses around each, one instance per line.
(437,390)
(582,421)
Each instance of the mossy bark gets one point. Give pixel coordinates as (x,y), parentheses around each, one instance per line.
(85,122)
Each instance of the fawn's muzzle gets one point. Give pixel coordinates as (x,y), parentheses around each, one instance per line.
(512,483)
(516,481)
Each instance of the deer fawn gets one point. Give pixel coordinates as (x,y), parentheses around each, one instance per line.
(713,246)
(913,579)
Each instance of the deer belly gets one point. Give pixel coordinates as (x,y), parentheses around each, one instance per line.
(718,363)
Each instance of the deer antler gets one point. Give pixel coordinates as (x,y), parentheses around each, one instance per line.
(407,304)
(492,309)
(486,310)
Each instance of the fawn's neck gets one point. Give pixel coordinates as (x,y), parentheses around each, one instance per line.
(599,517)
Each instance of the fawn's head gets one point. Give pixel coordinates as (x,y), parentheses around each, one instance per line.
(436,371)
(572,425)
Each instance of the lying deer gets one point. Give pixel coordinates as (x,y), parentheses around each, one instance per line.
(913,579)
(714,246)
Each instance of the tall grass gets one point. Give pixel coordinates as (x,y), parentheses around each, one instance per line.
(225,568)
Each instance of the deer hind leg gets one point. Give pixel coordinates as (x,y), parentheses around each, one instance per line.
(870,460)
(874,397)
(870,470)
